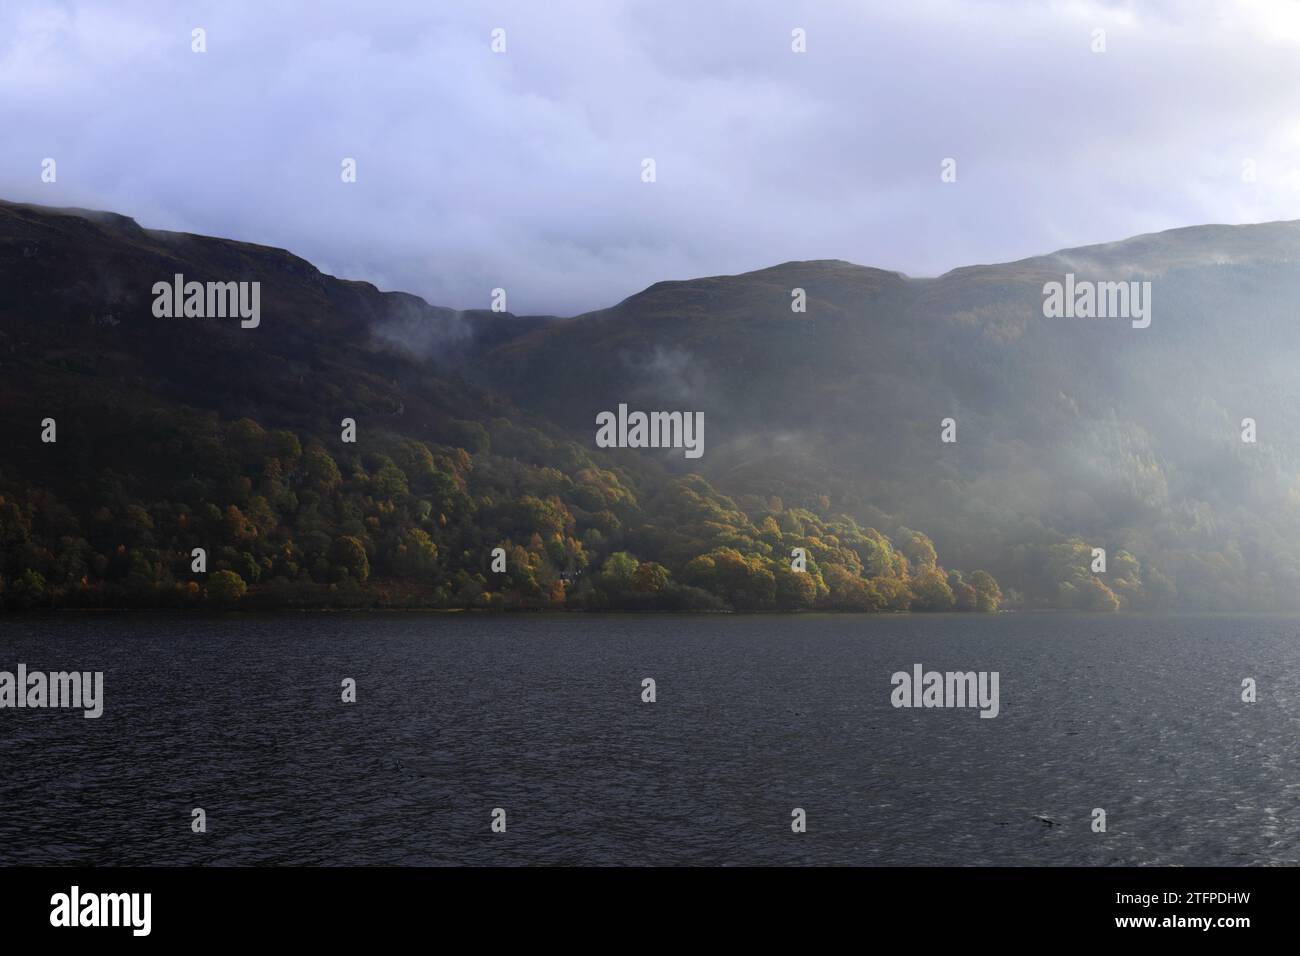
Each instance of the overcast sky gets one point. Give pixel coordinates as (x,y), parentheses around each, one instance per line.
(523,169)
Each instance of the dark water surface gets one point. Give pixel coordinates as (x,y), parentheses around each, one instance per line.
(756,715)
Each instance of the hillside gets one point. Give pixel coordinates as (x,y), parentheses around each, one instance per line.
(176,433)
(476,431)
(1071,433)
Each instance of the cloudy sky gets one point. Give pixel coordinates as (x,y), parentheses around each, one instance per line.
(523,169)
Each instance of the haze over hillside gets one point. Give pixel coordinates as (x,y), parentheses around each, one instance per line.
(823,429)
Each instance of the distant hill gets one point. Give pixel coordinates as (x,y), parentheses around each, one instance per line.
(476,430)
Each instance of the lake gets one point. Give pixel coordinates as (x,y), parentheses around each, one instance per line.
(542,716)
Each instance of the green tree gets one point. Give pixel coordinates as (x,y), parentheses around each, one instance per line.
(226,587)
(29,590)
(320,470)
(349,553)
(416,555)
(618,576)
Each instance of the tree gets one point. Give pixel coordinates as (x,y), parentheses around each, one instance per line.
(349,553)
(795,590)
(920,551)
(619,574)
(320,470)
(389,481)
(988,596)
(1093,595)
(964,596)
(650,577)
(237,526)
(930,592)
(29,589)
(416,556)
(226,587)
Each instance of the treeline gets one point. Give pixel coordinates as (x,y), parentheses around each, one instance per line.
(232,514)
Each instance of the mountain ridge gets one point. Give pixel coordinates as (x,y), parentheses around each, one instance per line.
(1090,253)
